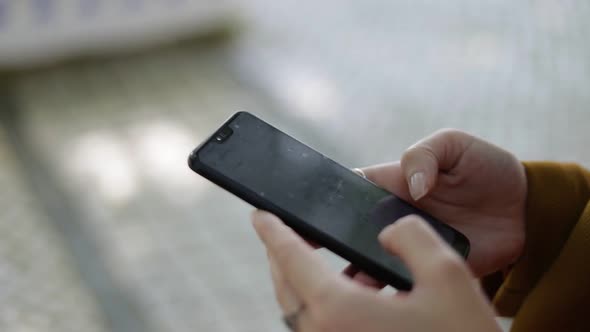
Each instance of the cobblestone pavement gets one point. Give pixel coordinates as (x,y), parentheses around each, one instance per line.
(99,211)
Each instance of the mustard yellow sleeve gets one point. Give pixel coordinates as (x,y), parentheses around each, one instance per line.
(557,195)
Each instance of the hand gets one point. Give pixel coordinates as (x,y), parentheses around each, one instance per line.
(470,184)
(444,297)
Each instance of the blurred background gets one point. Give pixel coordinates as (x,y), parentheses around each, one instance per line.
(102,225)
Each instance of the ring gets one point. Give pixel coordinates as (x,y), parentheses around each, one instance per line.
(359,172)
(292,319)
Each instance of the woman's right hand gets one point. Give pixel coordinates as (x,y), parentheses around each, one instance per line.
(468,183)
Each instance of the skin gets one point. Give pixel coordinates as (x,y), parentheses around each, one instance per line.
(470,184)
(444,298)
(474,186)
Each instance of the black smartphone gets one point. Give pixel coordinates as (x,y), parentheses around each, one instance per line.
(320,199)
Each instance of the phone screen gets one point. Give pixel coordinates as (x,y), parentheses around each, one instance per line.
(301,181)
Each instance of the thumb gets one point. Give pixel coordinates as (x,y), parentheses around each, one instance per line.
(421,249)
(423,160)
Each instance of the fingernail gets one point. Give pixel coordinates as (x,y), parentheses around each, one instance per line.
(417,185)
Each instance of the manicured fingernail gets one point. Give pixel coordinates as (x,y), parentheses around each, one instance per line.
(417,185)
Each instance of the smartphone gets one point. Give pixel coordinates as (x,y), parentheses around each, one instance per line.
(317,197)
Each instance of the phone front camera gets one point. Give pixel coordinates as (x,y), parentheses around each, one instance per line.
(223,134)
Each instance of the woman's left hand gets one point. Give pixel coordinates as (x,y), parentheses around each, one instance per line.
(444,297)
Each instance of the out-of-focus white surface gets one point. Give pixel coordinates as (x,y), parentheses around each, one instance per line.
(382,74)
(33,31)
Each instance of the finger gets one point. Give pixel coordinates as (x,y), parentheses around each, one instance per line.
(357,311)
(312,244)
(367,281)
(423,160)
(389,177)
(350,271)
(285,295)
(302,269)
(420,248)
(305,322)
(361,278)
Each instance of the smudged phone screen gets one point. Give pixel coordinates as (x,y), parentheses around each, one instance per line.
(301,181)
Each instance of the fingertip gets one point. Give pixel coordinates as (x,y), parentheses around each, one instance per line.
(263,215)
(385,234)
(254,215)
(389,231)
(410,218)
(415,226)
(410,221)
(262,219)
(414,242)
(255,218)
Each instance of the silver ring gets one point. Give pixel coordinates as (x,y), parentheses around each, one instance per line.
(360,172)
(292,320)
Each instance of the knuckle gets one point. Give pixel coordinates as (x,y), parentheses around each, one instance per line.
(325,319)
(416,150)
(454,137)
(418,153)
(324,294)
(330,311)
(449,133)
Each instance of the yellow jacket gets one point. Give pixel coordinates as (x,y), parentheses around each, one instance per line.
(548,288)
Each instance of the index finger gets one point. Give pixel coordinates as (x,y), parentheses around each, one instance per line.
(390,177)
(305,272)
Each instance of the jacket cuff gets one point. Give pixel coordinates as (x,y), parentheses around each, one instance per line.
(557,194)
